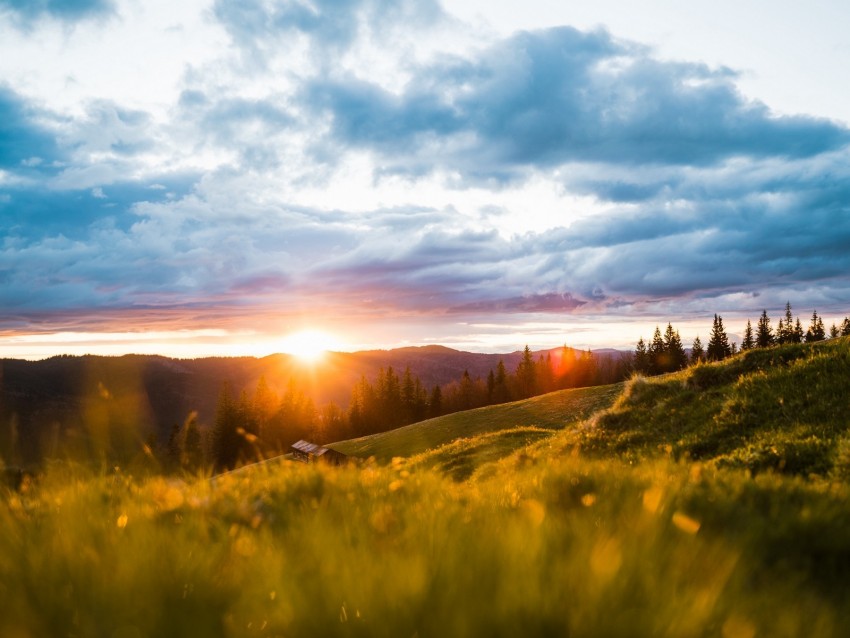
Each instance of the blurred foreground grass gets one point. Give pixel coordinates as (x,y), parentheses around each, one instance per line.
(710,502)
(536,545)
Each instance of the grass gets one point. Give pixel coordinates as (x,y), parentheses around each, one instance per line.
(711,502)
(553,411)
(538,545)
(784,409)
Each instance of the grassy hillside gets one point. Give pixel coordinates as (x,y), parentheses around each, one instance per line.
(552,411)
(711,502)
(785,409)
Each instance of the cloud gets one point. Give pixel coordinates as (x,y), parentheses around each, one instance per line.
(545,98)
(25,142)
(269,186)
(26,11)
(332,26)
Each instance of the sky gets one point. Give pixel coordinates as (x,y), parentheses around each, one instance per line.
(207,177)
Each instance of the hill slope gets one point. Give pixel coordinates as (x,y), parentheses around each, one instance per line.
(783,409)
(552,411)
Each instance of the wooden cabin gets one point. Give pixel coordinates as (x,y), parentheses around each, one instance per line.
(307,452)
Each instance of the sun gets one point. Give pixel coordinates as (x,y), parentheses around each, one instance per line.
(308,345)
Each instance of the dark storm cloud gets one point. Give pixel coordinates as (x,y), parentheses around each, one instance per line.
(67,10)
(544,98)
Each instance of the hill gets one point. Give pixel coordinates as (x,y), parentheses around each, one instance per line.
(782,409)
(710,502)
(49,405)
(547,413)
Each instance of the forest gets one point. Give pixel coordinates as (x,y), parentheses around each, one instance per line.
(263,424)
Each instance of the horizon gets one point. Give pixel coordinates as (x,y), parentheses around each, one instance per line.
(35,351)
(214,177)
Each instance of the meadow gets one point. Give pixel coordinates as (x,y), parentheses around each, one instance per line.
(709,502)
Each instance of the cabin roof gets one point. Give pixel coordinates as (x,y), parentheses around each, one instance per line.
(313,448)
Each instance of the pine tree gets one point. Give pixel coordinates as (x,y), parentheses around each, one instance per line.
(718,343)
(834,332)
(674,351)
(501,392)
(764,334)
(265,403)
(816,331)
(785,331)
(657,354)
(697,352)
(797,335)
(225,439)
(491,386)
(641,361)
(435,403)
(749,341)
(525,375)
(845,327)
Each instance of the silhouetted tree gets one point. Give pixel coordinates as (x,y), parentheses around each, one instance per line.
(816,331)
(697,352)
(657,353)
(797,335)
(675,356)
(845,327)
(225,438)
(785,329)
(718,342)
(764,333)
(501,391)
(435,403)
(834,331)
(641,359)
(525,376)
(265,404)
(749,341)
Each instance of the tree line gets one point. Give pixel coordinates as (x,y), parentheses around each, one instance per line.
(665,353)
(263,424)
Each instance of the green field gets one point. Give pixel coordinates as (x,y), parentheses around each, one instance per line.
(710,502)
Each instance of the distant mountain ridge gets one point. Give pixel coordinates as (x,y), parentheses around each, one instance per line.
(41,399)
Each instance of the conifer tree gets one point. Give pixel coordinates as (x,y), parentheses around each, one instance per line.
(675,357)
(845,327)
(764,333)
(718,342)
(225,439)
(491,386)
(816,331)
(641,362)
(797,335)
(785,331)
(749,341)
(265,404)
(834,331)
(657,358)
(435,403)
(525,375)
(501,393)
(697,352)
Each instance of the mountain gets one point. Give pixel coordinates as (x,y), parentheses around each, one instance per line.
(130,398)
